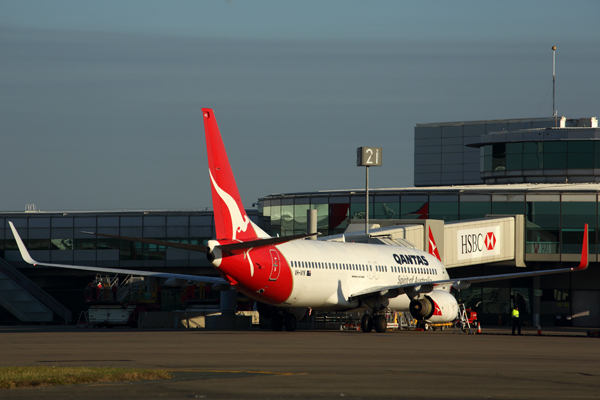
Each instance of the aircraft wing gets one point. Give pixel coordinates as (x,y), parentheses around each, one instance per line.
(28,259)
(465,283)
(459,283)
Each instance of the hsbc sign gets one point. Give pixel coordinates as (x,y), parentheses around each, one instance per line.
(478,242)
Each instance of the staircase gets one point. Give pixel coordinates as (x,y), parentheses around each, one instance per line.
(25,300)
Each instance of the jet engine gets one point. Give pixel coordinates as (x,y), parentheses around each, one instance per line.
(435,307)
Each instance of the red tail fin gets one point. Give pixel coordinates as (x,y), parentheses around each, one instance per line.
(231,220)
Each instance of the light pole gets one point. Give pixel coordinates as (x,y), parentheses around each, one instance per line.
(368,157)
(554,113)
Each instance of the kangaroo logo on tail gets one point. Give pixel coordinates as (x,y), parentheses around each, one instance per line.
(239,222)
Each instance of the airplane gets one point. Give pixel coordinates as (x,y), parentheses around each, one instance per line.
(288,275)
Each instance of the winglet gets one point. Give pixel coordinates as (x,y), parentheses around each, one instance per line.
(22,248)
(584,251)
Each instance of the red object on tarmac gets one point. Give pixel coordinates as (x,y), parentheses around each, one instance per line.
(479,328)
(539,330)
(471,316)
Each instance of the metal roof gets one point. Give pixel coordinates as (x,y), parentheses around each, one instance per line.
(462,189)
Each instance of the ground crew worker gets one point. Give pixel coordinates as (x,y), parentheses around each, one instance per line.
(515,320)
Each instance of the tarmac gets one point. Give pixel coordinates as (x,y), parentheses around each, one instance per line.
(259,364)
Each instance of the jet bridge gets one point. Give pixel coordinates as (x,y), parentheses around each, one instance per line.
(494,239)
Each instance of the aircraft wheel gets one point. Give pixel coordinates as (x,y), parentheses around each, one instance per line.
(277,322)
(366,323)
(442,328)
(426,326)
(433,327)
(289,321)
(380,323)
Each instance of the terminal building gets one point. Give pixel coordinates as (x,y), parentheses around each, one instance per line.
(545,169)
(531,183)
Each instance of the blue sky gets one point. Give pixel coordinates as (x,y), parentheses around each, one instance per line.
(100,101)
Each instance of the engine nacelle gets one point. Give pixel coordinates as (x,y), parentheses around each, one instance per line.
(436,307)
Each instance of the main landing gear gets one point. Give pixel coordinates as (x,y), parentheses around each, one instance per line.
(379,323)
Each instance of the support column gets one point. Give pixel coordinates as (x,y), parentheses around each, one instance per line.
(536,302)
(228,302)
(311,223)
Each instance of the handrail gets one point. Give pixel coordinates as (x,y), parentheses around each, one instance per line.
(26,284)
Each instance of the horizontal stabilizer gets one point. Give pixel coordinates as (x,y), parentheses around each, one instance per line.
(192,247)
(229,248)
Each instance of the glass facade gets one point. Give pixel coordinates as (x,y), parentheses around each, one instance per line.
(554,222)
(542,155)
(58,238)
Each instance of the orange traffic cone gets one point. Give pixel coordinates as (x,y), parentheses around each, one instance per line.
(478,328)
(539,330)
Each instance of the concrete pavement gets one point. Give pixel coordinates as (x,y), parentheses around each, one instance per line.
(309,364)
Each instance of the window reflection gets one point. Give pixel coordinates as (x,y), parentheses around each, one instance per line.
(446,210)
(338,217)
(39,244)
(61,244)
(84,244)
(287,219)
(474,209)
(414,209)
(386,210)
(300,218)
(572,154)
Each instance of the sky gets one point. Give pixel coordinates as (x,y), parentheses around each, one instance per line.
(100,101)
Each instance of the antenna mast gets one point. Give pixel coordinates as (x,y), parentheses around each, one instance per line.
(554,113)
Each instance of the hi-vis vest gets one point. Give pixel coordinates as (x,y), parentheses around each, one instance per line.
(515,313)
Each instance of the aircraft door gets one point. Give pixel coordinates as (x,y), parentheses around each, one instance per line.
(275,265)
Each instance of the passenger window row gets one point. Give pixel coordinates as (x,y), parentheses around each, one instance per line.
(415,270)
(362,267)
(324,265)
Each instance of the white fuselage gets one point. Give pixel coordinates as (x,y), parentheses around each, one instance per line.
(326,274)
